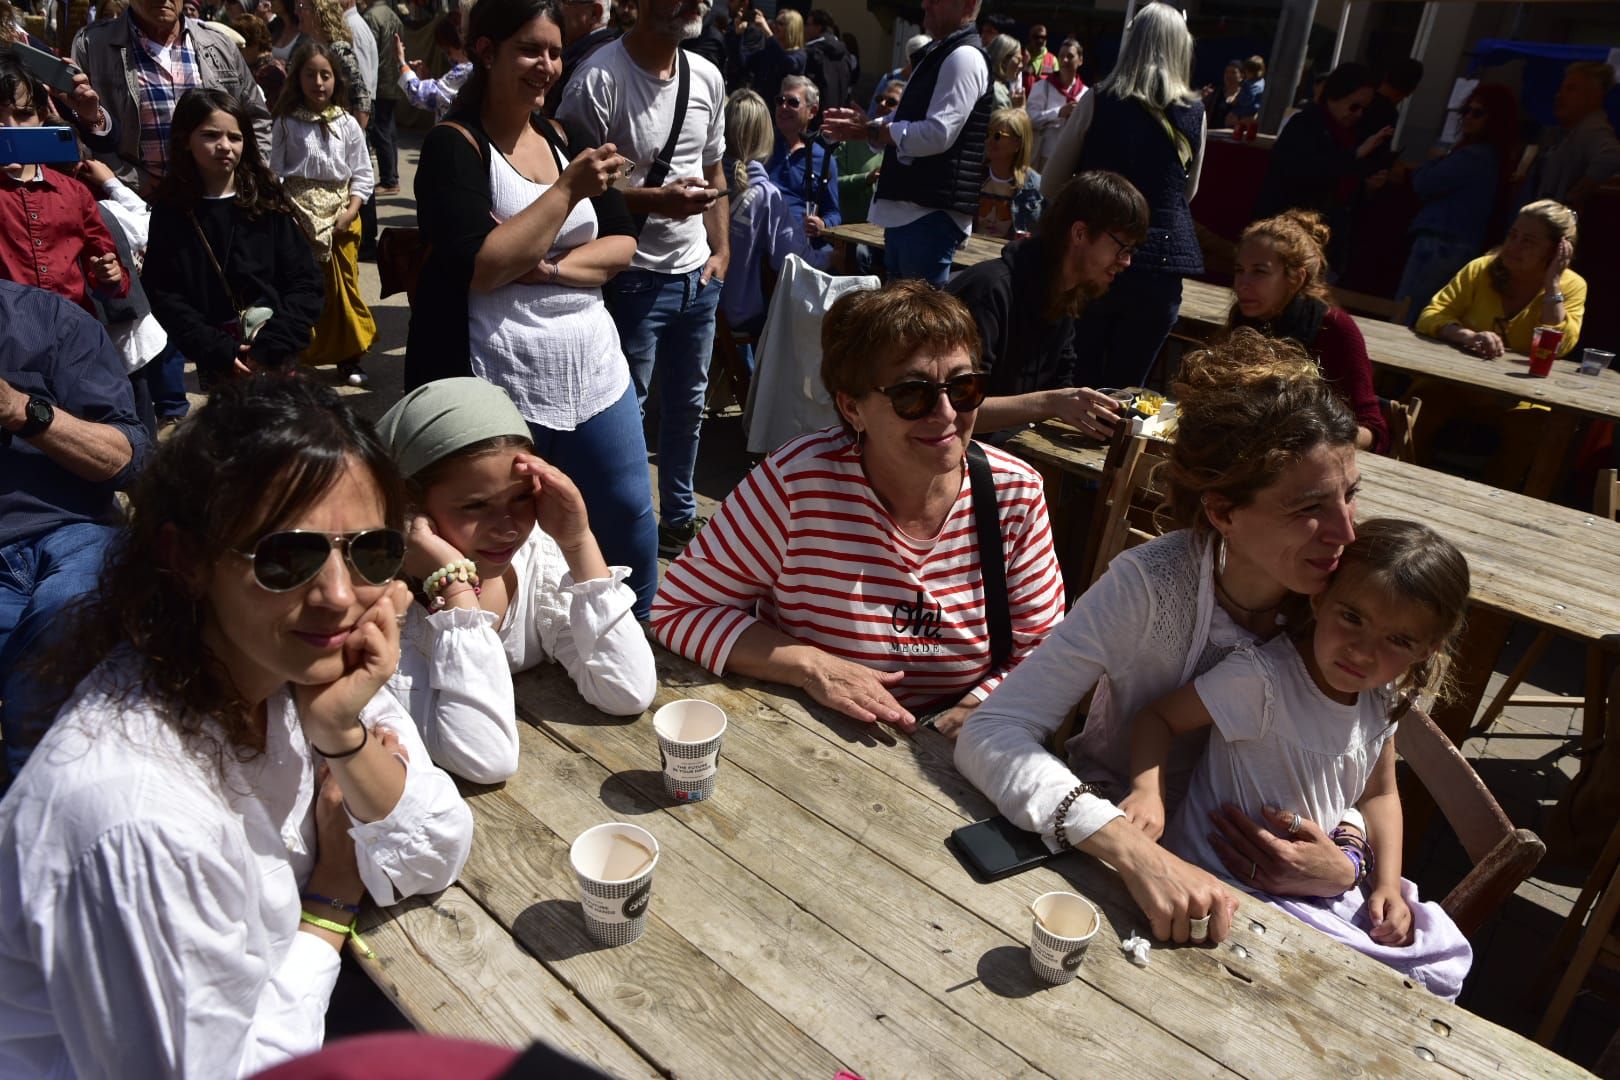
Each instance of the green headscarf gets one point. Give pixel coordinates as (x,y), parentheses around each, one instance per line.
(434,421)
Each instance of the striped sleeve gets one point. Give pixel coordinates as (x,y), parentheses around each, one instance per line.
(1034,582)
(711,591)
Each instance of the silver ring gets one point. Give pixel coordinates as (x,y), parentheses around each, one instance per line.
(1199,928)
(1293,826)
(1254,868)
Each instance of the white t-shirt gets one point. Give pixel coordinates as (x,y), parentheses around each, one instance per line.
(613,99)
(1278,740)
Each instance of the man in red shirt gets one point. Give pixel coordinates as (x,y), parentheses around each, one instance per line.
(51,232)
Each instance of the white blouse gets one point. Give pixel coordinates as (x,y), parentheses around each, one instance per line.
(456,665)
(336,154)
(149,909)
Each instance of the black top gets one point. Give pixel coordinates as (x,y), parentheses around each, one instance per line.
(1306,166)
(950,180)
(826,62)
(1128,138)
(269,264)
(56,350)
(1021,348)
(456,213)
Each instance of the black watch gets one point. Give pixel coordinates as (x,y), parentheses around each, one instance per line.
(40,412)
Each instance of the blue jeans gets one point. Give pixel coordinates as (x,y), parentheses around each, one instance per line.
(1433,262)
(666,321)
(1120,334)
(606,458)
(924,249)
(39,577)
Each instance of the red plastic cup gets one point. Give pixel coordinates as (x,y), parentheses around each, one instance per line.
(1543,349)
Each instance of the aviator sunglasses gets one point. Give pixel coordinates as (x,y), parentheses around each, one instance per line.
(915,398)
(282,561)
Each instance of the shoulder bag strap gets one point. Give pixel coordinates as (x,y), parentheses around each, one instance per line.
(465,134)
(230,293)
(666,157)
(992,556)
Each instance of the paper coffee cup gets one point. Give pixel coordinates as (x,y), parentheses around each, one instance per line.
(615,866)
(689,734)
(1064,925)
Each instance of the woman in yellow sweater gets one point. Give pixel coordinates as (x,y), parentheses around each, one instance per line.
(1496,302)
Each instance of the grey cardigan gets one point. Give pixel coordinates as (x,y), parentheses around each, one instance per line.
(101,50)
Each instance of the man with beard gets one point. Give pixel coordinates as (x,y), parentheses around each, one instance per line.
(1025,304)
(629,94)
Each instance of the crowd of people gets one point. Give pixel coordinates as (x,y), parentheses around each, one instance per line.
(243,652)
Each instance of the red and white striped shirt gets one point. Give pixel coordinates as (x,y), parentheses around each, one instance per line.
(804,544)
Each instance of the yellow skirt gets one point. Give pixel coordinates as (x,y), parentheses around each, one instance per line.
(345,329)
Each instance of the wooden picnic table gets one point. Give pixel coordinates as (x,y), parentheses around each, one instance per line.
(809,918)
(1527,559)
(976,250)
(1572,397)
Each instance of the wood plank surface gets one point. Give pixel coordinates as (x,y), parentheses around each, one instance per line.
(873,1019)
(1216,999)
(663,996)
(975,250)
(1204,310)
(920,935)
(456,972)
(1527,559)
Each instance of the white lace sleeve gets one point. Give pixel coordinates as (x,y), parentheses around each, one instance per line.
(588,628)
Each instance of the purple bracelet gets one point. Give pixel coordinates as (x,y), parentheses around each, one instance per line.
(317,898)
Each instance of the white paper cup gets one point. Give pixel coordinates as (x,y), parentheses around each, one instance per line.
(689,735)
(1064,925)
(615,867)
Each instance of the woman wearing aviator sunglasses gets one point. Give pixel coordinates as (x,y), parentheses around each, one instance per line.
(847,563)
(187,849)
(511,577)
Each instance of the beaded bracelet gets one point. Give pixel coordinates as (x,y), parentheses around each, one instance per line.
(1059,829)
(462,570)
(317,898)
(1358,851)
(338,928)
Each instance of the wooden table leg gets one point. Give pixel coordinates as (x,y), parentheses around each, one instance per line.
(1547,466)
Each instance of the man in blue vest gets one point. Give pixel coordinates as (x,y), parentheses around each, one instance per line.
(933,147)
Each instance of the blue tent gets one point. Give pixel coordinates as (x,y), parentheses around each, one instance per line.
(1544,65)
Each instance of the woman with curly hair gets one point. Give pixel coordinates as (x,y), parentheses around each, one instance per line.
(1261,486)
(184,854)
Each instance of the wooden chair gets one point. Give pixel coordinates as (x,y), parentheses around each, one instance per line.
(1598,941)
(1606,503)
(1360,303)
(1503,856)
(1126,516)
(1400,417)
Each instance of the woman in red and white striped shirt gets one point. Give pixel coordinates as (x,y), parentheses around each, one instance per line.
(847,562)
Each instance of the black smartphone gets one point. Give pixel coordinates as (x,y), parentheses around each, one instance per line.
(996,848)
(51,70)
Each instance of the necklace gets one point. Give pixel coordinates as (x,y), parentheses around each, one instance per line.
(1246,610)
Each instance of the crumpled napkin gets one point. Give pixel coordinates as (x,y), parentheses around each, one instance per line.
(1136,948)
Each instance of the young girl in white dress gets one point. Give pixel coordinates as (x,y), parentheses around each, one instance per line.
(511,576)
(319,151)
(1307,721)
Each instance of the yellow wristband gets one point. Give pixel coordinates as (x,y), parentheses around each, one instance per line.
(338,928)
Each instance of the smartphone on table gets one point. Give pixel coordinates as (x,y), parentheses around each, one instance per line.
(995,848)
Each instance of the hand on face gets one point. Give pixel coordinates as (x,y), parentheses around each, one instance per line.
(559,508)
(370,657)
(425,550)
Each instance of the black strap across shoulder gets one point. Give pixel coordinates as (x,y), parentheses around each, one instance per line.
(992,556)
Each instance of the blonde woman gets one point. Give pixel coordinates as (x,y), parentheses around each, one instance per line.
(1010,200)
(322,21)
(1495,303)
(763,231)
(781,55)
(1492,307)
(1006,70)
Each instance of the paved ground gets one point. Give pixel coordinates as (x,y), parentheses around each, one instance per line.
(1525,759)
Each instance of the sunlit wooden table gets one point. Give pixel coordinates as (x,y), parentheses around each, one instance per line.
(976,250)
(1573,398)
(809,918)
